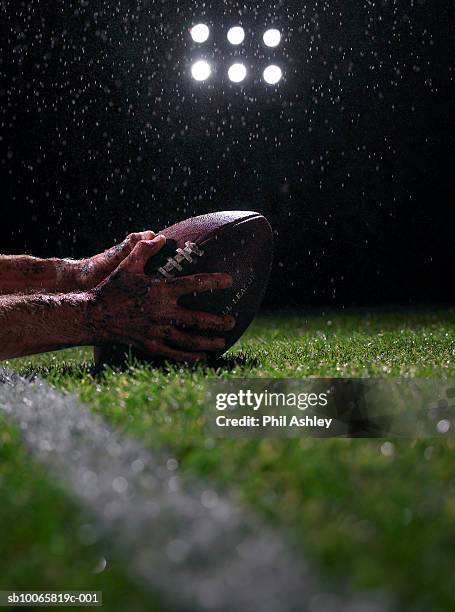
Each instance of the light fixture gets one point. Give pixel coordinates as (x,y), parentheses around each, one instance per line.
(272,74)
(201,70)
(272,37)
(236,73)
(236,35)
(200,32)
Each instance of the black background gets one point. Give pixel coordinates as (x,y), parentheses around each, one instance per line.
(104,132)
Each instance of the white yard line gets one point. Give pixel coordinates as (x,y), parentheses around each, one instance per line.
(187,543)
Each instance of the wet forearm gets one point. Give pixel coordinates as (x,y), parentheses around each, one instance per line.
(26,274)
(39,323)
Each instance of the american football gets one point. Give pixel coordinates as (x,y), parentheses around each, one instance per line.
(239,243)
(227,319)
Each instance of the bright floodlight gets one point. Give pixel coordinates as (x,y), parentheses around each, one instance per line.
(236,73)
(272,74)
(272,37)
(236,35)
(200,70)
(200,32)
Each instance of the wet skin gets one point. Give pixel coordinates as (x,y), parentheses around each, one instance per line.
(53,304)
(26,274)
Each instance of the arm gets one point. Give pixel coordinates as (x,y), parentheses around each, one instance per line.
(39,323)
(26,274)
(127,307)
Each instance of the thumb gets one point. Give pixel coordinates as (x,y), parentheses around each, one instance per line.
(144,249)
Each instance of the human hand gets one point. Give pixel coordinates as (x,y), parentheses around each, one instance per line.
(131,308)
(92,270)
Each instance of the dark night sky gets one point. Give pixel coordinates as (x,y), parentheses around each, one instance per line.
(103,131)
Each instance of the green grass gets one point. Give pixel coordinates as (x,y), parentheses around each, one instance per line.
(370,520)
(46,541)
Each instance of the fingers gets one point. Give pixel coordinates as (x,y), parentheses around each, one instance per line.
(135,237)
(184,340)
(120,251)
(198,283)
(144,249)
(132,239)
(204,321)
(160,349)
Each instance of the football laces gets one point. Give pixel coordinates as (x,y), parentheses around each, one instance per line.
(174,264)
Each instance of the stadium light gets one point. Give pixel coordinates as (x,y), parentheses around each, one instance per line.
(272,74)
(272,37)
(201,70)
(236,35)
(236,73)
(200,33)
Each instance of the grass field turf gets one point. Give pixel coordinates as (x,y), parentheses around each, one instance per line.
(374,520)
